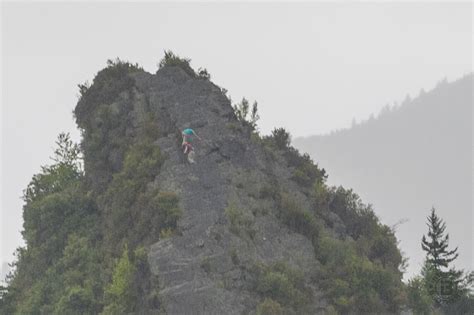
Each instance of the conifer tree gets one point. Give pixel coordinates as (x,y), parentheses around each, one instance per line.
(445,284)
(436,247)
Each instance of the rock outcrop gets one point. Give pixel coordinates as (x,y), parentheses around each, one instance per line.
(230,171)
(257,222)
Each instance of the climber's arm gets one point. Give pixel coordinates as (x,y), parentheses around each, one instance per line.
(194,133)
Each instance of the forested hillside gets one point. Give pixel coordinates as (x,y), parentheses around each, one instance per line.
(407,159)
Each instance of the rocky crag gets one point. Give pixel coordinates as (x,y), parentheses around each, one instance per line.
(250,228)
(231,170)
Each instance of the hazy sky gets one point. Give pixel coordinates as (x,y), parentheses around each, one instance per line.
(311,66)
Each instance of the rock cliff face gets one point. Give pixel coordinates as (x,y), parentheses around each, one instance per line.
(250,228)
(197,269)
(257,224)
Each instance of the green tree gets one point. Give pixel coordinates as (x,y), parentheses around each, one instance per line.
(418,298)
(131,290)
(281,138)
(119,294)
(246,114)
(172,60)
(54,178)
(67,153)
(444,284)
(436,246)
(56,205)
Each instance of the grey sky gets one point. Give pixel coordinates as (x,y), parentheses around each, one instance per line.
(311,66)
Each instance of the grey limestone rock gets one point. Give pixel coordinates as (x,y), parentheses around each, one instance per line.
(195,267)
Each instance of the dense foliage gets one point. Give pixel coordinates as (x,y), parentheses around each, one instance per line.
(281,287)
(440,286)
(305,172)
(172,60)
(107,85)
(102,117)
(247,115)
(360,273)
(86,235)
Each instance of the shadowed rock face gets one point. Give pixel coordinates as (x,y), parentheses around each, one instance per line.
(195,267)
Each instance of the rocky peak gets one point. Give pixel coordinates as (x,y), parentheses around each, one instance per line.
(229,173)
(252,209)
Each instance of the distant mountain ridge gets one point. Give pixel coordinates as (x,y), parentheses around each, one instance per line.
(407,159)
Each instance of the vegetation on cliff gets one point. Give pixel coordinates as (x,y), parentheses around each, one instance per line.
(91,216)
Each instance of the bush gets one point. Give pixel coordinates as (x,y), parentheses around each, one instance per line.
(269,307)
(240,223)
(203,74)
(67,264)
(276,285)
(166,233)
(103,115)
(166,205)
(464,305)
(355,284)
(375,240)
(245,115)
(280,138)
(321,195)
(107,85)
(133,213)
(418,298)
(305,173)
(56,204)
(270,190)
(76,300)
(119,293)
(283,285)
(172,60)
(130,290)
(299,219)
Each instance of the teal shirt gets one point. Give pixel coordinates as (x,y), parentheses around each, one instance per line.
(188,133)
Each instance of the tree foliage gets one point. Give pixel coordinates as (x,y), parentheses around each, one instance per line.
(436,246)
(354,283)
(247,115)
(105,88)
(64,268)
(440,287)
(445,285)
(281,138)
(170,59)
(282,288)
(86,235)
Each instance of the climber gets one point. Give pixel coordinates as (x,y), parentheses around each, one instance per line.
(188,149)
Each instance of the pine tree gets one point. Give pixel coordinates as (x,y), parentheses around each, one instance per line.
(444,284)
(436,247)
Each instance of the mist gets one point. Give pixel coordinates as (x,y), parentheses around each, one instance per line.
(312,67)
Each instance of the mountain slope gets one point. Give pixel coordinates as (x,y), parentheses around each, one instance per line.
(250,228)
(409,159)
(205,190)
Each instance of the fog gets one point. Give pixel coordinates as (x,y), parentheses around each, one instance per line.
(406,161)
(312,67)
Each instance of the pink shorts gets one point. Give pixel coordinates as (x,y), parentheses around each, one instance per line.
(187,147)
